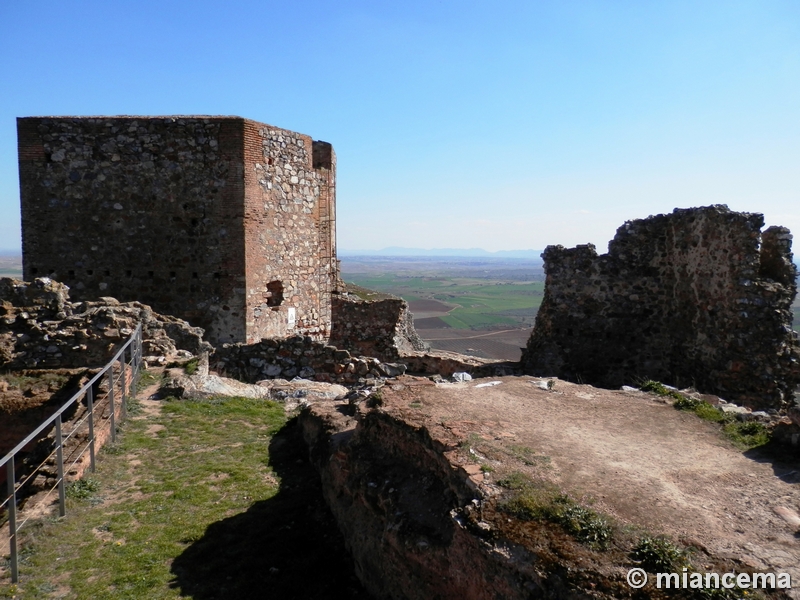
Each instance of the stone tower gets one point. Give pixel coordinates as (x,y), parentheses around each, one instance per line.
(223,221)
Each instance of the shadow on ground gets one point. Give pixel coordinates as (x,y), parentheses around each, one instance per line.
(286,547)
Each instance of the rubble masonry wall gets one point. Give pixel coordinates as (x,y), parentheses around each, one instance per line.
(697,297)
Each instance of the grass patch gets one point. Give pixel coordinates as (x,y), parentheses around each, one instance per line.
(190,367)
(745,435)
(748,434)
(161,490)
(148,378)
(656,387)
(528,456)
(541,502)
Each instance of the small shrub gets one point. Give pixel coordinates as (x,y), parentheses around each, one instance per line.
(83,489)
(551,384)
(659,555)
(190,367)
(686,403)
(375,399)
(583,523)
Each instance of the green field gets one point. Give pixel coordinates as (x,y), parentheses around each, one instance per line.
(479,303)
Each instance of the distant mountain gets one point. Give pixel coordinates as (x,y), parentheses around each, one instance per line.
(464,252)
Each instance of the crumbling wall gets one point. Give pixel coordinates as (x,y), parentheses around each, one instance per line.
(696,297)
(383,329)
(41,329)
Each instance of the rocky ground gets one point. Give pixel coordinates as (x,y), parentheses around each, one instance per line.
(422,483)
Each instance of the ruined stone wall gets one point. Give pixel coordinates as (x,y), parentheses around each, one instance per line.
(195,216)
(383,329)
(697,297)
(41,329)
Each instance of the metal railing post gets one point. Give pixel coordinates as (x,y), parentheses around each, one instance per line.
(123,383)
(62,489)
(90,408)
(111,402)
(12,517)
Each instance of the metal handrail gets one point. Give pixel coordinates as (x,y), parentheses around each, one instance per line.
(135,345)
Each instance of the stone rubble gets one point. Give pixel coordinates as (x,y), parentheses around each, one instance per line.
(40,328)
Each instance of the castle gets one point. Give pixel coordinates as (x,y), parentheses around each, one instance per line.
(223,221)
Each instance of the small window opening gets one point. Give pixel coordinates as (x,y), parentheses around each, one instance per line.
(90,271)
(150,274)
(128,273)
(274,293)
(71,274)
(194,275)
(216,275)
(34,271)
(108,273)
(172,273)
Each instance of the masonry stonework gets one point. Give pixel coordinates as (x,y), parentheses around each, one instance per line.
(698,297)
(225,222)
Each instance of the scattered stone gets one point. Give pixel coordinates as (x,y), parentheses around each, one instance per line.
(489,384)
(461,376)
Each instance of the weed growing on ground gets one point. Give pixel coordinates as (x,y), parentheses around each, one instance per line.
(541,501)
(83,489)
(190,367)
(657,554)
(660,389)
(528,456)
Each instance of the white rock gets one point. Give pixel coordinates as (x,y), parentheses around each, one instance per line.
(489,384)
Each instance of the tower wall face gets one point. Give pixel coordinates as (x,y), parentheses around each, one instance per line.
(289,200)
(175,212)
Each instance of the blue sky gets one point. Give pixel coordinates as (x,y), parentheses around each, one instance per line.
(501,125)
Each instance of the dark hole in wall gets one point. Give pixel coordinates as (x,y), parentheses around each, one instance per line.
(322,155)
(274,293)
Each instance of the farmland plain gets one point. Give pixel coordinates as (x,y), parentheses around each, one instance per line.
(483,307)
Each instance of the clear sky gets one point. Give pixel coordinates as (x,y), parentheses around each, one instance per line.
(501,125)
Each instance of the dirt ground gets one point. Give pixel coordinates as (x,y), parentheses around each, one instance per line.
(503,344)
(631,454)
